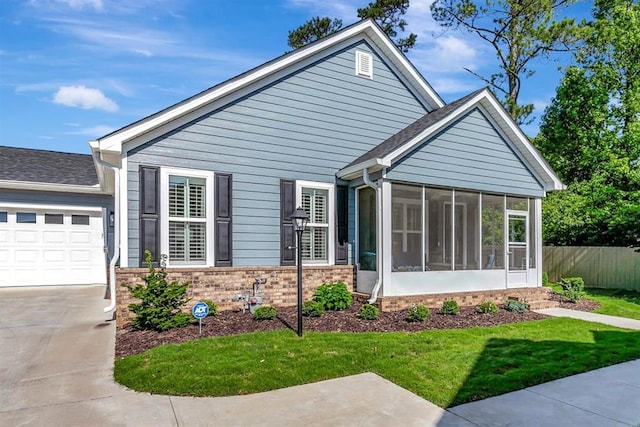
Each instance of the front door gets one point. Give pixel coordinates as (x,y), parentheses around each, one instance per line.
(517,248)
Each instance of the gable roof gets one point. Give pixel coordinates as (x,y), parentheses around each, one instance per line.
(403,142)
(191,108)
(46,170)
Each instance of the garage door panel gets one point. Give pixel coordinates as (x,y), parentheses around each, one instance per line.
(52,254)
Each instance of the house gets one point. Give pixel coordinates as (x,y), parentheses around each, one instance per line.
(54,219)
(407,196)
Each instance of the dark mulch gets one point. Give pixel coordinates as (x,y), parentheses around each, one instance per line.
(129,341)
(582,305)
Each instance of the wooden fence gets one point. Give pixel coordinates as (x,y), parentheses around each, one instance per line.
(600,267)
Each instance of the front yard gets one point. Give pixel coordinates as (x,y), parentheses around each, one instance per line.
(447,367)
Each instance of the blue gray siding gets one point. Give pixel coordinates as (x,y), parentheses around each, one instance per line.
(470,154)
(306,126)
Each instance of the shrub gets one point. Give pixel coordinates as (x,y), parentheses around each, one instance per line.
(213,307)
(450,307)
(312,309)
(545,279)
(369,312)
(160,301)
(572,288)
(418,313)
(487,307)
(515,306)
(333,296)
(264,312)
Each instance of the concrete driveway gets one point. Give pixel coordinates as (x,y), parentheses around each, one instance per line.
(56,353)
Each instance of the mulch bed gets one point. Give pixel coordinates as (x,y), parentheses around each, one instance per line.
(130,341)
(582,305)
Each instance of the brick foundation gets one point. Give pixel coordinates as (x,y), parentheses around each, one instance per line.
(536,297)
(221,284)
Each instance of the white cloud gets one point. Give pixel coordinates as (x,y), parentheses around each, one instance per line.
(94,131)
(80,4)
(446,54)
(449,85)
(84,97)
(341,9)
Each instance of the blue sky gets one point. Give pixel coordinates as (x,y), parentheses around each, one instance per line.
(74,70)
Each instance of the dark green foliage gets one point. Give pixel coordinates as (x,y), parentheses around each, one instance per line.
(515,306)
(369,312)
(312,30)
(312,308)
(418,313)
(264,312)
(213,307)
(545,279)
(160,301)
(487,307)
(450,307)
(572,288)
(333,296)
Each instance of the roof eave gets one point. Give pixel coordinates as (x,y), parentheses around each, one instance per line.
(53,187)
(355,171)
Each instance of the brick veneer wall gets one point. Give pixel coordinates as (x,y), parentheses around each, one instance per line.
(221,284)
(534,296)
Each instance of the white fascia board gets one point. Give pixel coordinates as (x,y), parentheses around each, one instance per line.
(36,206)
(113,143)
(46,186)
(431,130)
(518,137)
(355,171)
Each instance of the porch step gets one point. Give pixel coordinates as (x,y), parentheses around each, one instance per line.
(541,305)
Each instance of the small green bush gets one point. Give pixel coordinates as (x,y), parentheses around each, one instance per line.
(213,307)
(450,307)
(333,296)
(545,279)
(515,306)
(369,312)
(160,301)
(264,312)
(487,307)
(312,309)
(418,313)
(572,288)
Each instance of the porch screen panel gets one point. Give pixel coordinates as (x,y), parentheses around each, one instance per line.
(438,253)
(406,228)
(467,231)
(492,232)
(367,229)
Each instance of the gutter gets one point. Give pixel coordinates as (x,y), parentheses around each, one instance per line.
(376,186)
(116,231)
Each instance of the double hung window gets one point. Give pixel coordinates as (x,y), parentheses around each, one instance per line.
(318,201)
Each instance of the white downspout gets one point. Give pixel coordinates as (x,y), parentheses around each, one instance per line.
(116,231)
(375,186)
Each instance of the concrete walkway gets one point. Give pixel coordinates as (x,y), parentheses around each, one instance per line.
(56,358)
(620,322)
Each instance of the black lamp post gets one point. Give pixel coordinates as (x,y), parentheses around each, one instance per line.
(300,218)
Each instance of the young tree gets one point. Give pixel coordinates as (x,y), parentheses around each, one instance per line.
(387,13)
(519,31)
(312,30)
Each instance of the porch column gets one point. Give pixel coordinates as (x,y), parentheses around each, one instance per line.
(386,235)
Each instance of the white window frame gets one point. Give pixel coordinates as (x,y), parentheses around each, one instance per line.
(209,209)
(331,216)
(359,71)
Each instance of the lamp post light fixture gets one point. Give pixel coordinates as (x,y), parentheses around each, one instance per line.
(300,219)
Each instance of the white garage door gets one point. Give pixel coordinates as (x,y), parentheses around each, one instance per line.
(51,246)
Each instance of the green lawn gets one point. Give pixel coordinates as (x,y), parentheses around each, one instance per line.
(447,367)
(614,302)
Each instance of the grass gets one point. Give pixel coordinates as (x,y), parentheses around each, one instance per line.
(614,302)
(447,367)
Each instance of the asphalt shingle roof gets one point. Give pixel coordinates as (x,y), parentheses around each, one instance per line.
(24,164)
(408,133)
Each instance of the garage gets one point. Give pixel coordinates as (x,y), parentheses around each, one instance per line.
(51,245)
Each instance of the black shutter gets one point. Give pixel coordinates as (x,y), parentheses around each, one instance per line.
(149,212)
(287,236)
(342,229)
(223,222)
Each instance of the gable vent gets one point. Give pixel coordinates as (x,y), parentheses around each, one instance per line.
(364,64)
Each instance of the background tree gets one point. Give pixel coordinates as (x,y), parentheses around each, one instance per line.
(312,30)
(519,31)
(387,13)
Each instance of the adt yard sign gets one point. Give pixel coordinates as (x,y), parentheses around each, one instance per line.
(200,311)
